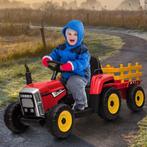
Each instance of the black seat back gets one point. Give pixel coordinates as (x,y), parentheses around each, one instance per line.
(95,66)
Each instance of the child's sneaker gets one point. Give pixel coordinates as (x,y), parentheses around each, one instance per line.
(78,107)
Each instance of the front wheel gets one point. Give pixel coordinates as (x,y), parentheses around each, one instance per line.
(135,98)
(60,120)
(12,118)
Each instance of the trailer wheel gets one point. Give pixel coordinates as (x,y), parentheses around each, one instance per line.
(12,118)
(135,98)
(60,121)
(110,104)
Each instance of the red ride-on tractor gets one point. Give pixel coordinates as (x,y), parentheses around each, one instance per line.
(50,101)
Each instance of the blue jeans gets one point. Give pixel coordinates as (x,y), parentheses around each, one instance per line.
(76,86)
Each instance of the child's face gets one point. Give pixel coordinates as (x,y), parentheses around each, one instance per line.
(71,36)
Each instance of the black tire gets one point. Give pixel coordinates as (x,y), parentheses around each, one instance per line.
(110,104)
(57,126)
(12,119)
(135,98)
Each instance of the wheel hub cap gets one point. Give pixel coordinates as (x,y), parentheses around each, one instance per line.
(113,103)
(65,121)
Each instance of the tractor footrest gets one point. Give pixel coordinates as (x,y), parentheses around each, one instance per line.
(33,121)
(83,113)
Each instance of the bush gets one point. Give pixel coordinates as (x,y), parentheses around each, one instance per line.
(126,19)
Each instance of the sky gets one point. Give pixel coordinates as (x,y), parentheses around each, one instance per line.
(110,4)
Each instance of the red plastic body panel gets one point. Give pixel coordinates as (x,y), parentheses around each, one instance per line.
(98,81)
(101,81)
(117,84)
(46,88)
(122,87)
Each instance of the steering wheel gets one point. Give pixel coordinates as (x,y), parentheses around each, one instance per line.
(54,65)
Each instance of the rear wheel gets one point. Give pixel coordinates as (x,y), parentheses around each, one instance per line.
(110,104)
(12,118)
(61,119)
(135,98)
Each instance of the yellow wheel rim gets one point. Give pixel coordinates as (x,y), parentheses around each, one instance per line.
(139,98)
(65,121)
(113,103)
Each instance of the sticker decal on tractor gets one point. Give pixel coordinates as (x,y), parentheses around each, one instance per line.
(55,94)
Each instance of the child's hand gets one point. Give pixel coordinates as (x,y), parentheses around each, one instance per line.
(45,60)
(67,66)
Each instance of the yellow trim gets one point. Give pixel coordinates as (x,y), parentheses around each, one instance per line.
(65,121)
(113,103)
(139,94)
(123,73)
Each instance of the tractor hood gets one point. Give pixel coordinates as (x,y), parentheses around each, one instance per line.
(47,86)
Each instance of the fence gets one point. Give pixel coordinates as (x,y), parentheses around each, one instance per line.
(123,73)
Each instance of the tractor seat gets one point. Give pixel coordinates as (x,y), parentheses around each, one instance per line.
(95,66)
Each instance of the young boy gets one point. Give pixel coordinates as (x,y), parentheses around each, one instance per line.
(76,62)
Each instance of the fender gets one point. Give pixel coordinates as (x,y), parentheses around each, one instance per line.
(98,81)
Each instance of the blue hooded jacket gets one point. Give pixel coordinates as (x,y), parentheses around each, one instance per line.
(78,54)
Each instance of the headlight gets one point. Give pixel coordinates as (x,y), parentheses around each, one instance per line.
(27,103)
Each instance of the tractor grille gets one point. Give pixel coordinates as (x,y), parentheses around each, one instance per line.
(31,103)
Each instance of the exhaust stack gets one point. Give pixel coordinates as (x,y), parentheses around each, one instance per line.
(28,75)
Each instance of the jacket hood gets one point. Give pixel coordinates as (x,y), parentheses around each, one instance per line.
(77,26)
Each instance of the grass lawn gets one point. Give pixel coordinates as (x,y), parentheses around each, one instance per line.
(12,71)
